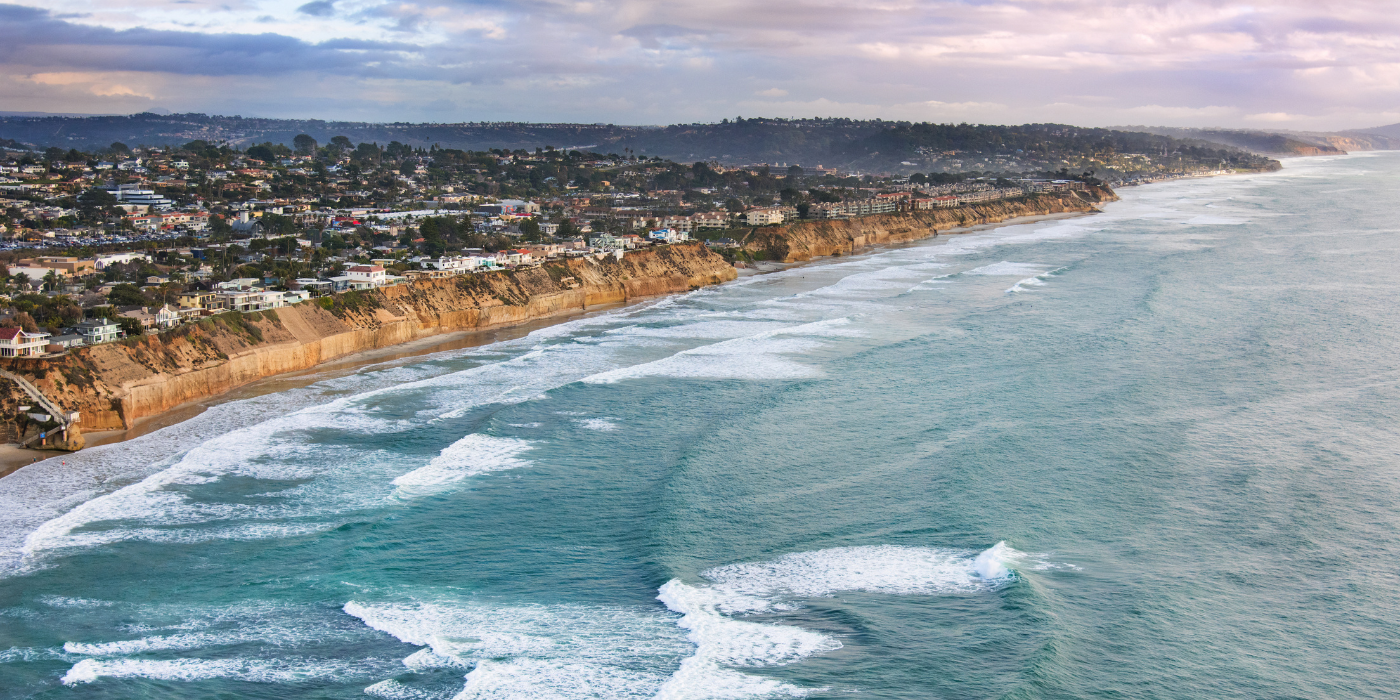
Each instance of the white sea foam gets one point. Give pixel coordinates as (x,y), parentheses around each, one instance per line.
(31,654)
(723,642)
(762,356)
(990,565)
(472,455)
(186,670)
(874,569)
(394,690)
(256,628)
(340,477)
(1027,282)
(160,500)
(699,329)
(560,651)
(599,424)
(1036,281)
(1004,268)
(174,642)
(1214,221)
(540,679)
(65,602)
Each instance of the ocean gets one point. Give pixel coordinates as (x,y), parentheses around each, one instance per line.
(1149,453)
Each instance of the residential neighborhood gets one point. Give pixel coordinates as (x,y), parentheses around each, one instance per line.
(123,241)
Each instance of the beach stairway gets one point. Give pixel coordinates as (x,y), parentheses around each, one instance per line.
(52,408)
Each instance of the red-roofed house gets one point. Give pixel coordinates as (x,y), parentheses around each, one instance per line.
(19,343)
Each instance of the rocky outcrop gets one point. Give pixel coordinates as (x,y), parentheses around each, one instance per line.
(113,385)
(807,240)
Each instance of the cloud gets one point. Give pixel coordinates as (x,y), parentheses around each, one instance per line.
(1149,61)
(1271,117)
(319,8)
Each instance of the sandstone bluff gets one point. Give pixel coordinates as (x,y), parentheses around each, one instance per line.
(112,386)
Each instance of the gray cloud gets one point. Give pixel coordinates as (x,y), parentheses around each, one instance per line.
(33,38)
(318,8)
(638,60)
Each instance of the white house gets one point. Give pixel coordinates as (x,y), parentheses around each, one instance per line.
(167,317)
(237,300)
(668,235)
(111,259)
(240,284)
(99,330)
(763,217)
(450,263)
(365,276)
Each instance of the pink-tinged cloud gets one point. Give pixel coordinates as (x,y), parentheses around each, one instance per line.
(1285,64)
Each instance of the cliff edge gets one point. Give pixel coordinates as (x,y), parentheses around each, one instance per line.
(806,240)
(113,385)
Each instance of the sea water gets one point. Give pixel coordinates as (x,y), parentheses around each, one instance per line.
(1149,453)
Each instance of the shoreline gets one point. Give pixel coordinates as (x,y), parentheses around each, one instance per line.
(13,458)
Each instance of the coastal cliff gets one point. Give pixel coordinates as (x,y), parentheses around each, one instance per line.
(114,384)
(806,240)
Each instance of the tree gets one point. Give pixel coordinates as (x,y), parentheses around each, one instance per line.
(219,227)
(367,152)
(278,225)
(304,144)
(119,147)
(26,322)
(52,280)
(96,202)
(126,295)
(531,229)
(261,152)
(130,326)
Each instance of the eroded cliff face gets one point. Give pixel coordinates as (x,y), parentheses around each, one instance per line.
(114,384)
(807,240)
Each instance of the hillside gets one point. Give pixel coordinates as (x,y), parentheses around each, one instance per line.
(1288,143)
(1262,142)
(867,146)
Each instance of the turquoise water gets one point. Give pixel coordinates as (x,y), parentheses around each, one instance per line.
(1150,453)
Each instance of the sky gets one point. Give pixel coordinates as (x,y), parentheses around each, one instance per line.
(1288,64)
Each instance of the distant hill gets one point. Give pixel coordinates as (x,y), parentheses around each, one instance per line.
(858,145)
(1390,132)
(1262,142)
(1288,143)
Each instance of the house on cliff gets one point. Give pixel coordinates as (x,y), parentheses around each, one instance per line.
(17,342)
